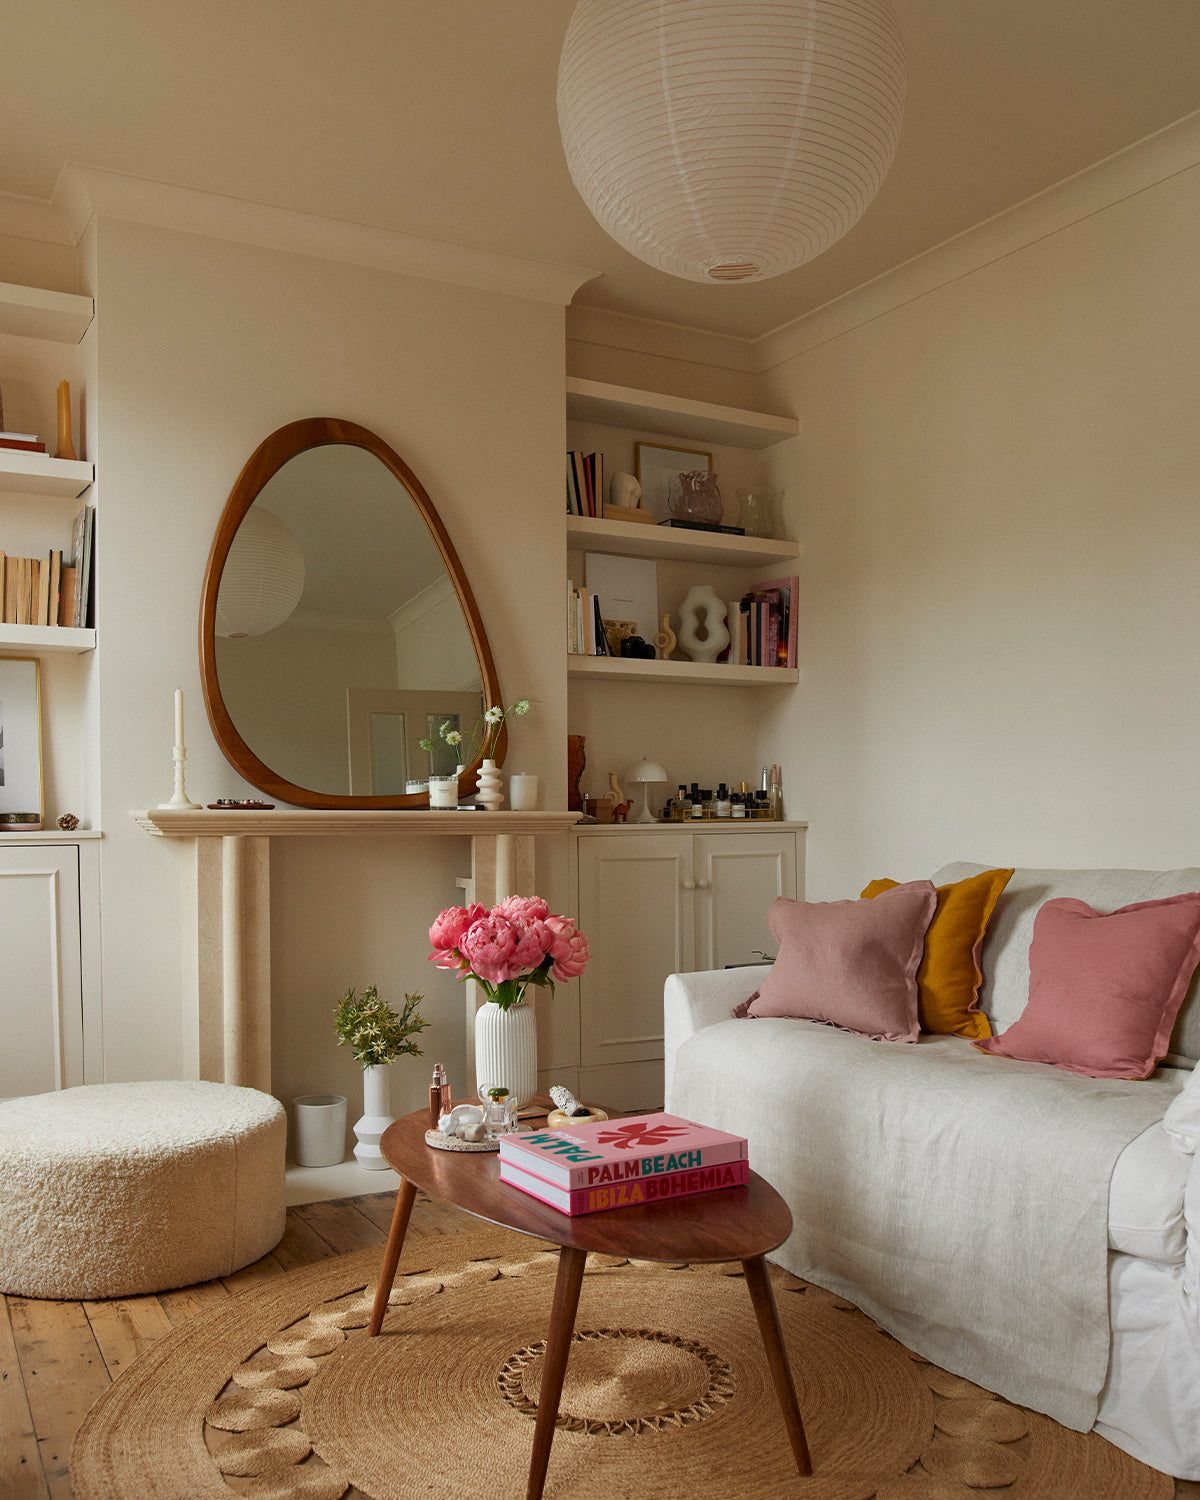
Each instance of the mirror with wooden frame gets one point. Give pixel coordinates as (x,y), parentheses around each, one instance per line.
(338,632)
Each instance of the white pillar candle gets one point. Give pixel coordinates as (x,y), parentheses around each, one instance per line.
(523,792)
(179,717)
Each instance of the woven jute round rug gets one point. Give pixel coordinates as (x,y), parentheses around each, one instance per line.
(667,1394)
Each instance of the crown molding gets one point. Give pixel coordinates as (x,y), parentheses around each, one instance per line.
(34,219)
(639,335)
(1145,164)
(82,193)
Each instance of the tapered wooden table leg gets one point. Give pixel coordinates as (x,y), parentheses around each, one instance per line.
(558,1346)
(767,1314)
(405,1195)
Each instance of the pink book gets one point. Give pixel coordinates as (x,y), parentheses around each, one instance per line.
(652,1189)
(608,1151)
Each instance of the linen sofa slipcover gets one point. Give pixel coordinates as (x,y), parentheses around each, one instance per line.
(1033,1230)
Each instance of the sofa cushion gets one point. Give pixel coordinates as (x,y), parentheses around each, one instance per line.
(851,964)
(1005,956)
(949,977)
(1104,988)
(1145,1198)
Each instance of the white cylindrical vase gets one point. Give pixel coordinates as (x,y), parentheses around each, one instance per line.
(320,1121)
(490,787)
(376,1117)
(506,1050)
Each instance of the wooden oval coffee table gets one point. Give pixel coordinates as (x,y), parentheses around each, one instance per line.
(740,1223)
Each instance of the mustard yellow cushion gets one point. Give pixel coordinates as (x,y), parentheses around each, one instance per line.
(949,976)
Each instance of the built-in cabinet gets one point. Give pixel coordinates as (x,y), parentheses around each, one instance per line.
(662,900)
(50,938)
(49,882)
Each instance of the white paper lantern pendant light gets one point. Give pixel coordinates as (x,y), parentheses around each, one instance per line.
(263,577)
(730,140)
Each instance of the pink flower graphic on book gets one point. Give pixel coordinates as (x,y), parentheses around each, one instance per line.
(639,1133)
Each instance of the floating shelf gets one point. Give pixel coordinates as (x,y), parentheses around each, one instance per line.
(35,474)
(639,539)
(45,640)
(711,674)
(674,416)
(34,313)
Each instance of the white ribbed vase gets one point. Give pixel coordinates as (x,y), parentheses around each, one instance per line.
(506,1050)
(490,787)
(376,1117)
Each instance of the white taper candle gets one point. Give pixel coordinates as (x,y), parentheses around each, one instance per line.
(179,717)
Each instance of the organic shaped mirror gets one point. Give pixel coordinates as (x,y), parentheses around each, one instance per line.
(337,629)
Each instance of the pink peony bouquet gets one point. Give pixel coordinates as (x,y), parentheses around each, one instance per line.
(505,950)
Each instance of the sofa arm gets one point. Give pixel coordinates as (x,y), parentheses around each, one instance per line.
(693,1001)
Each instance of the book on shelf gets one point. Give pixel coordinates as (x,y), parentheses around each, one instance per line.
(625,1194)
(683,525)
(585,483)
(23,442)
(611,1151)
(29,588)
(763,625)
(66,596)
(82,538)
(53,572)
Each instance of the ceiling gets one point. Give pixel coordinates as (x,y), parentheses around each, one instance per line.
(438,120)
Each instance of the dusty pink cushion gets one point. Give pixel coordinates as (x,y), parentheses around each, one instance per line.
(851,964)
(1104,989)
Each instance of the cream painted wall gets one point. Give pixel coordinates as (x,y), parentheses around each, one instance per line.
(997,488)
(205,347)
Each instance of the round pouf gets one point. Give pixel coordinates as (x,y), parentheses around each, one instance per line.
(113,1189)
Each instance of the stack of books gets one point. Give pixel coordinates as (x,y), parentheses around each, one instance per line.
(582,1169)
(585,483)
(762,625)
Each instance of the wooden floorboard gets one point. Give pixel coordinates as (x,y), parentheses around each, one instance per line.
(57,1358)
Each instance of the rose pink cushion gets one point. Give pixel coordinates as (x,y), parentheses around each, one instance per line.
(851,964)
(1104,990)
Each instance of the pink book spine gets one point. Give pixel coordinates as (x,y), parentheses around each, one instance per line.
(591,1200)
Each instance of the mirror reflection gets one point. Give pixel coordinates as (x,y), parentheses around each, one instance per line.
(339,640)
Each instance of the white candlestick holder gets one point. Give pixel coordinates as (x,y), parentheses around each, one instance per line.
(179,798)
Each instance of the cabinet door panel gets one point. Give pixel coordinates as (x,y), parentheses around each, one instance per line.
(744,874)
(639,922)
(41,991)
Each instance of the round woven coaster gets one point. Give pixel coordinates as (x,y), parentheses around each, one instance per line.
(667,1393)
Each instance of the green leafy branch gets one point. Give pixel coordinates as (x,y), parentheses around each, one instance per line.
(377,1034)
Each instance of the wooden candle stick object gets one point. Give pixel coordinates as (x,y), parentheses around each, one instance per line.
(66,449)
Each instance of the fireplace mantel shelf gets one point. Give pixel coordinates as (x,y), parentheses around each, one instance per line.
(227,970)
(169,822)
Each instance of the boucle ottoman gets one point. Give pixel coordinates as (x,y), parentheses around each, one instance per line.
(117,1188)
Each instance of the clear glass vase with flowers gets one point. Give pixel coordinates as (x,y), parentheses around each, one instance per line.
(518,943)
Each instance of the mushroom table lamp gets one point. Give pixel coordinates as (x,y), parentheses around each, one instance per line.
(645,772)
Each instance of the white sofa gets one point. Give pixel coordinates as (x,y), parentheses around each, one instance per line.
(1000,1238)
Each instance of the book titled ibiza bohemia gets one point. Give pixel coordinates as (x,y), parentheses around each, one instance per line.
(653,1188)
(603,1152)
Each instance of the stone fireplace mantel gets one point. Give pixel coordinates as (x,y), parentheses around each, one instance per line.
(227,967)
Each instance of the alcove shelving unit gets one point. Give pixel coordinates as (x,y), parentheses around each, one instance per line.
(55,318)
(648,412)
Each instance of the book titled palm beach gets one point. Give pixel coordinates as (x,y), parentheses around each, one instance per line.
(614,1163)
